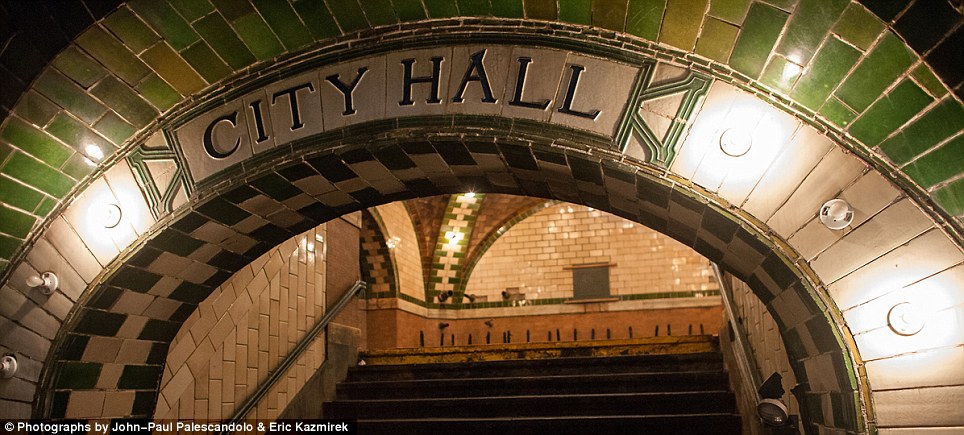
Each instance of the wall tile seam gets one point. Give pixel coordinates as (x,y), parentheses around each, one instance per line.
(953,224)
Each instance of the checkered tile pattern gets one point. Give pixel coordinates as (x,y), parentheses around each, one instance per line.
(142,303)
(377,267)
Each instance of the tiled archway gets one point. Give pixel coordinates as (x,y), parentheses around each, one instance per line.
(428,162)
(902,104)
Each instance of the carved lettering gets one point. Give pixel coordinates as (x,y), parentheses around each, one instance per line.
(571,93)
(475,73)
(259,121)
(408,81)
(292,94)
(520,85)
(347,90)
(208,139)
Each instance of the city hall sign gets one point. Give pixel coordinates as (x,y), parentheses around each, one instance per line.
(558,87)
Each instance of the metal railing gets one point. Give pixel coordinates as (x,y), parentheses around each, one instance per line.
(252,401)
(744,355)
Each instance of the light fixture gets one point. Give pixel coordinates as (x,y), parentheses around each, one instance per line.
(735,142)
(773,412)
(836,214)
(8,366)
(442,325)
(770,408)
(470,297)
(310,247)
(469,195)
(454,237)
(445,295)
(46,282)
(906,318)
(110,215)
(393,242)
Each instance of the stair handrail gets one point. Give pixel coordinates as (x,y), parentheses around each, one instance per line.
(744,355)
(296,352)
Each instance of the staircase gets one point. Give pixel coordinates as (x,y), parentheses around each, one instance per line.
(661,385)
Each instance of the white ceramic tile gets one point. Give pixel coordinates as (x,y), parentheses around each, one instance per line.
(890,228)
(805,151)
(930,253)
(903,407)
(834,173)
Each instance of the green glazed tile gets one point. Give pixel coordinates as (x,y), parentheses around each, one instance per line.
(166,22)
(576,11)
(716,39)
(379,12)
(507,8)
(46,206)
(233,9)
(258,37)
(15,223)
(68,95)
(858,26)
(35,142)
(938,165)
(733,11)
(76,134)
(786,5)
(36,108)
(808,25)
(114,55)
(9,246)
(79,67)
(951,197)
(645,17)
(889,113)
(760,31)
(473,8)
(221,37)
(780,74)
(158,92)
(78,167)
(191,10)
(540,9)
(440,8)
(18,195)
(837,112)
(123,100)
(130,30)
(409,10)
(114,128)
(205,62)
(173,69)
(349,15)
(929,81)
(5,151)
(609,14)
(38,175)
(285,23)
(939,123)
(875,73)
(828,67)
(681,23)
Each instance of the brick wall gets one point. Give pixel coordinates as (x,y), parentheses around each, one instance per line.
(533,254)
(246,326)
(394,327)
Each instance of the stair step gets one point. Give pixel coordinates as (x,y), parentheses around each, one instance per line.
(685,344)
(677,424)
(560,405)
(528,385)
(558,366)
